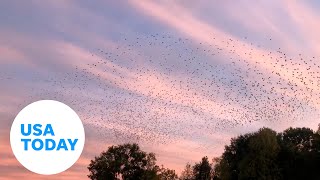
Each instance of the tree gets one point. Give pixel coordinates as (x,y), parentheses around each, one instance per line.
(261,160)
(227,168)
(202,170)
(299,157)
(216,163)
(250,156)
(292,154)
(124,161)
(166,174)
(187,173)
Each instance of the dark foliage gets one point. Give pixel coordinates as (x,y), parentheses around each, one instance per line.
(293,154)
(265,154)
(128,162)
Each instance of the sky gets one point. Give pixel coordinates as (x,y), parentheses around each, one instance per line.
(44,44)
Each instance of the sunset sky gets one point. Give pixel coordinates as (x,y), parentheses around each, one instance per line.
(42,41)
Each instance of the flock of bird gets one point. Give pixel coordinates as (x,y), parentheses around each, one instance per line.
(162,89)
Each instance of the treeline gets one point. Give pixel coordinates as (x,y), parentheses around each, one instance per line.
(265,154)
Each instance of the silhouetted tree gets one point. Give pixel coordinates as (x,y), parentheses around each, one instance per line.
(124,161)
(250,156)
(261,160)
(293,154)
(299,157)
(166,174)
(202,170)
(187,173)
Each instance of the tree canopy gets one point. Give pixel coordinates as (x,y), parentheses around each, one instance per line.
(265,154)
(292,154)
(202,170)
(128,162)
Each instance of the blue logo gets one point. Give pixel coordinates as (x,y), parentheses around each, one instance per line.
(46,143)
